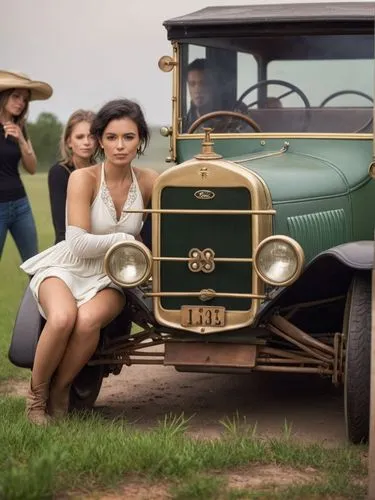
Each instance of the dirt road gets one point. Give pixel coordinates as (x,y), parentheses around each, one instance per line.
(144,394)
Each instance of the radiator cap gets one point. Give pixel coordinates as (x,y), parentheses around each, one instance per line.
(207,151)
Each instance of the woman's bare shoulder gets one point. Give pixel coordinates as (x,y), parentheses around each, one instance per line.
(84,181)
(146,174)
(87,174)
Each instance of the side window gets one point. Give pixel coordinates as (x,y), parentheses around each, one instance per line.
(212,79)
(191,53)
(247,75)
(196,52)
(341,82)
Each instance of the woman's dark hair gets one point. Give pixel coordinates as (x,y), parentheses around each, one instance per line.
(4,96)
(117,109)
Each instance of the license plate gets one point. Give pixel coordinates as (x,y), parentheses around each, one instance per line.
(202,316)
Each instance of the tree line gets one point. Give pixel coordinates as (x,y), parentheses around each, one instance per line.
(45,134)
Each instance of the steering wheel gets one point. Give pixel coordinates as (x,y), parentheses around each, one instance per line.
(216,114)
(351,92)
(264,83)
(292,89)
(343,92)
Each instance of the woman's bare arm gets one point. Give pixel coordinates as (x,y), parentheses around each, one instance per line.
(28,157)
(80,194)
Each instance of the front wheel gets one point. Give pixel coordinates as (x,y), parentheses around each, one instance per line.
(357,329)
(86,387)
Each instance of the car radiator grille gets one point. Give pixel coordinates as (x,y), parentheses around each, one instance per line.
(228,236)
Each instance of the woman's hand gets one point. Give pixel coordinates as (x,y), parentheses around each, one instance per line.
(27,152)
(14,130)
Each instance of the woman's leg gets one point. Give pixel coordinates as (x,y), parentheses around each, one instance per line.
(60,309)
(91,318)
(23,229)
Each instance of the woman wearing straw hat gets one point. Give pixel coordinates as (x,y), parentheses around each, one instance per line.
(16,91)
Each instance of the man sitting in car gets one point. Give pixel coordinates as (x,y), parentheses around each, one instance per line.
(202,83)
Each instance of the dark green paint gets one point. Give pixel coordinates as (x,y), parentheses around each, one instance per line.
(228,235)
(318,231)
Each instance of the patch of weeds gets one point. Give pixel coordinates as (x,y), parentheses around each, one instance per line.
(173,425)
(287,430)
(333,487)
(237,427)
(237,494)
(199,488)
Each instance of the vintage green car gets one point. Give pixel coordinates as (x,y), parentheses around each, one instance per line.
(262,227)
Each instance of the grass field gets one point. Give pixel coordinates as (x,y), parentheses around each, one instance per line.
(82,455)
(89,455)
(13,280)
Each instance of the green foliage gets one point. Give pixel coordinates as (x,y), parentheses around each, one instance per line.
(45,135)
(199,488)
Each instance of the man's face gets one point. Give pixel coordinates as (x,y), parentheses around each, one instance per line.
(199,88)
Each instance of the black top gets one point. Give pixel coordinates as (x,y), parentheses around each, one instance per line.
(58,177)
(11,187)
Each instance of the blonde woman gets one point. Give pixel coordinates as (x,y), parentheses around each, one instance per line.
(77,150)
(16,91)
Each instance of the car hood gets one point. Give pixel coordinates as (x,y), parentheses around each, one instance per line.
(297,176)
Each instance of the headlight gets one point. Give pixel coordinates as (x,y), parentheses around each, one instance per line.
(278,260)
(128,263)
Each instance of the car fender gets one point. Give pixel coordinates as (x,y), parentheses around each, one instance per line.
(329,274)
(26,331)
(356,254)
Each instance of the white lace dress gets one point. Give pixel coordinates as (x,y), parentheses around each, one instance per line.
(85,277)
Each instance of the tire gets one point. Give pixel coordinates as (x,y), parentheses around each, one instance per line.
(357,327)
(86,387)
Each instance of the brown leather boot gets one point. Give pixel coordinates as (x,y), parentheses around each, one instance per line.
(36,404)
(58,402)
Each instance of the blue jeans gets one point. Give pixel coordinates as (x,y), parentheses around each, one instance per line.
(16,217)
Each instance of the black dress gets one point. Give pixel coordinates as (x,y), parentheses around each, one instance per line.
(11,187)
(58,177)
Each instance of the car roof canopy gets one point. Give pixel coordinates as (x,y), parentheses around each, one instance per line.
(271,18)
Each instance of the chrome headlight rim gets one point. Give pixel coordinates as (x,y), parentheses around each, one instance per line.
(297,250)
(139,246)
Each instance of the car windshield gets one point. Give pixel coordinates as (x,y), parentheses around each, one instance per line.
(289,84)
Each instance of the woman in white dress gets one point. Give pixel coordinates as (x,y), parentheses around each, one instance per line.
(69,283)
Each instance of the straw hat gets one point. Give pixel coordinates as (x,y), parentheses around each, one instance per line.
(17,80)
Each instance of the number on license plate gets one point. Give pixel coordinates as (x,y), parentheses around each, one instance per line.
(202,316)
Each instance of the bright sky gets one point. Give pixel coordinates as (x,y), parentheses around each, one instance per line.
(92,51)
